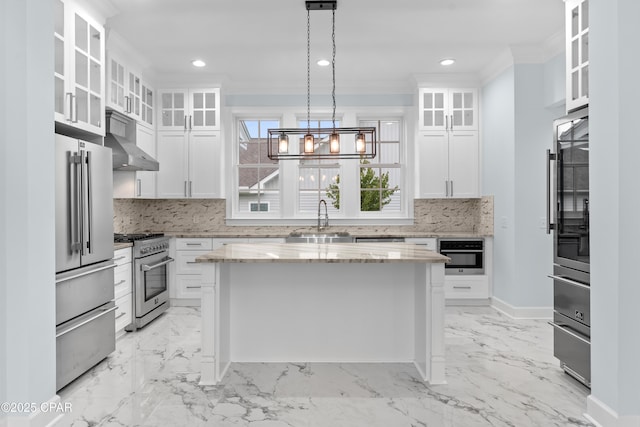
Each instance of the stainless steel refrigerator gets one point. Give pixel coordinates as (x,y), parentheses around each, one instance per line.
(568,206)
(85,305)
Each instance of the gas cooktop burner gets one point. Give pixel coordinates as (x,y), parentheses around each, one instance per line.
(128,238)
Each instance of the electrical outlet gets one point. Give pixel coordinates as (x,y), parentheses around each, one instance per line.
(504,222)
(542,223)
(196,219)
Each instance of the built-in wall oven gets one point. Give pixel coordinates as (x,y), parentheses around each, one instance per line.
(568,218)
(150,276)
(467,255)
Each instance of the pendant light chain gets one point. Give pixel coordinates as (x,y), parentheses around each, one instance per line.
(333,65)
(308,71)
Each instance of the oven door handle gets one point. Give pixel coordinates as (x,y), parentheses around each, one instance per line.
(146,267)
(566,330)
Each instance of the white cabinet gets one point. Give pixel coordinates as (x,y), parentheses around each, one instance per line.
(189,109)
(577,59)
(448,164)
(466,287)
(122,277)
(190,164)
(430,243)
(79,73)
(128,93)
(188,273)
(145,181)
(448,109)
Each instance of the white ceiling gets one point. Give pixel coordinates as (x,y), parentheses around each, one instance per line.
(382,45)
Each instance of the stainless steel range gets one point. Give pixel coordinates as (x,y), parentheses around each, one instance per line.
(150,276)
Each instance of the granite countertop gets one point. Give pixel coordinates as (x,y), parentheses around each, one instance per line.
(322,253)
(117,246)
(277,234)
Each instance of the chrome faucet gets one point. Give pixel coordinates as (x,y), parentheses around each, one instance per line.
(325,223)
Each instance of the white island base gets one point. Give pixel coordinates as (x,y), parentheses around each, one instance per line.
(322,311)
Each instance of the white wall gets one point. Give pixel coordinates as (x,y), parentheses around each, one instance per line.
(498,133)
(516,131)
(615,206)
(534,134)
(554,82)
(27,255)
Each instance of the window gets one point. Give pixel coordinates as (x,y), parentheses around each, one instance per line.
(258,177)
(259,207)
(271,191)
(381,177)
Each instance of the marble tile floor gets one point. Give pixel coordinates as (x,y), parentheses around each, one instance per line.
(500,372)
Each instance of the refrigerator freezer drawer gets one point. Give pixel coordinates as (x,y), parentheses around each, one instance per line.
(572,299)
(82,290)
(572,348)
(83,342)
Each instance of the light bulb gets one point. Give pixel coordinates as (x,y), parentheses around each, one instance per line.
(361,144)
(283,143)
(334,143)
(308,143)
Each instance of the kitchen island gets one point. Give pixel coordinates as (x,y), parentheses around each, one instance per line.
(307,302)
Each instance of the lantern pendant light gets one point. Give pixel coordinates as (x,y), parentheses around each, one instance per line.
(312,143)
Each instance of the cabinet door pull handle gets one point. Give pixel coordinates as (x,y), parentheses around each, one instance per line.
(446,188)
(451,129)
(194,287)
(190,190)
(194,244)
(120,282)
(451,185)
(120,257)
(139,187)
(120,315)
(192,262)
(446,126)
(462,287)
(190,124)
(185,190)
(185,122)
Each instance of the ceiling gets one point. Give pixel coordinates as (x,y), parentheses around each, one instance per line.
(382,46)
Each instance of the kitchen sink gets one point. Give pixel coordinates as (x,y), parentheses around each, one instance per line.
(341,237)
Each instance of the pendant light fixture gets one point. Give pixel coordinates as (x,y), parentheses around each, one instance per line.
(358,142)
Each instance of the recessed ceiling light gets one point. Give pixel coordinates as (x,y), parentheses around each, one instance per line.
(323,62)
(447,61)
(198,63)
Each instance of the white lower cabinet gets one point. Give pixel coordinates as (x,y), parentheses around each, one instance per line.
(122,282)
(466,287)
(188,273)
(430,243)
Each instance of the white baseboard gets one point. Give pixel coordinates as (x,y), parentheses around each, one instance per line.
(47,415)
(603,416)
(522,312)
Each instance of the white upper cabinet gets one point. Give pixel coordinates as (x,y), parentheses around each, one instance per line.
(448,144)
(128,93)
(448,164)
(577,38)
(189,109)
(448,109)
(190,164)
(79,73)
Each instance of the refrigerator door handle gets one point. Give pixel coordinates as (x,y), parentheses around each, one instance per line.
(97,316)
(89,204)
(86,273)
(77,199)
(550,157)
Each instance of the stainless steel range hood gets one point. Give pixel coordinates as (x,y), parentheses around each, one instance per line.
(120,137)
(127,156)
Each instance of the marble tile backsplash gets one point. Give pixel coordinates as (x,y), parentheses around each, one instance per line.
(474,216)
